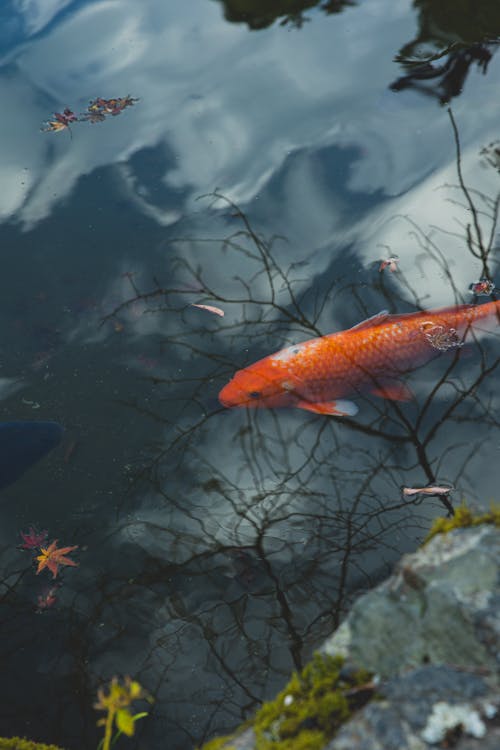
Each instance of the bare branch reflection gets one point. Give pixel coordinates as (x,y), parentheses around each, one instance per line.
(263,13)
(464,38)
(246,534)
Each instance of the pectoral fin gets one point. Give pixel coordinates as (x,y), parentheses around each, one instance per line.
(394,390)
(339,408)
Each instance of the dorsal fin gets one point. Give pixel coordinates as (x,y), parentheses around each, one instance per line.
(375,320)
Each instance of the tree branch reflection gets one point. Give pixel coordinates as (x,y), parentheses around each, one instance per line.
(246,534)
(463,37)
(263,13)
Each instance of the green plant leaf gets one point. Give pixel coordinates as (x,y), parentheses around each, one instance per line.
(125,722)
(118,734)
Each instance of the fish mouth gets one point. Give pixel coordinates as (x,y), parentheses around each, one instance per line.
(231,396)
(227,397)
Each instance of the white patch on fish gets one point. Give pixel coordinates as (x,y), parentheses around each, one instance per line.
(288,354)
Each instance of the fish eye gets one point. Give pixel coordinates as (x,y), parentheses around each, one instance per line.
(255,394)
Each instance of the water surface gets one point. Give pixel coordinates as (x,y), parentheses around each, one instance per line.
(278,151)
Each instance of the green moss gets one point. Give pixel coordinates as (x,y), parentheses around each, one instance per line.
(314,704)
(220,742)
(463,518)
(310,709)
(18,743)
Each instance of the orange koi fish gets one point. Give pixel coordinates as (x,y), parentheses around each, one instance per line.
(369,358)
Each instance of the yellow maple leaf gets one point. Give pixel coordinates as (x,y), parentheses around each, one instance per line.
(54,126)
(52,557)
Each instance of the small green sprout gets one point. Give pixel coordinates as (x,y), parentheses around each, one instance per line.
(116,702)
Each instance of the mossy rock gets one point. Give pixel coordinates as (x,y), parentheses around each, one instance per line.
(314,704)
(309,710)
(463,518)
(20,743)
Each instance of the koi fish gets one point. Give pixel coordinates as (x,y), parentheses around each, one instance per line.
(318,374)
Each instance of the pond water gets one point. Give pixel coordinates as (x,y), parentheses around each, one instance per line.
(276,153)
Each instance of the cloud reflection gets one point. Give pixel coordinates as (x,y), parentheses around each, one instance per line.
(231,106)
(278,517)
(37,14)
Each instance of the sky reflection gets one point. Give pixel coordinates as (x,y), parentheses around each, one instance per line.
(227,108)
(228,105)
(219,544)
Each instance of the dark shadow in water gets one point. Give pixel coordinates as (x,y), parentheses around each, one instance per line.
(259,14)
(22,444)
(452,39)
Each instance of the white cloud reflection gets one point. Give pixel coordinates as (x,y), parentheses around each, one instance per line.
(39,13)
(230,107)
(229,104)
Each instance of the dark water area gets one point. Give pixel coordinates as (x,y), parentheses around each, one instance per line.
(278,151)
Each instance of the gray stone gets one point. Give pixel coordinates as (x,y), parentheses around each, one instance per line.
(441,606)
(377,727)
(418,709)
(431,633)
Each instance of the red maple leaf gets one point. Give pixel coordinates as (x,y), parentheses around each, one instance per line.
(52,557)
(99,108)
(66,117)
(33,539)
(61,121)
(47,597)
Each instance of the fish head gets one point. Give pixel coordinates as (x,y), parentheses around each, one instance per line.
(258,385)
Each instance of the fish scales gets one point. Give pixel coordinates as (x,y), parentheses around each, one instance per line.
(371,357)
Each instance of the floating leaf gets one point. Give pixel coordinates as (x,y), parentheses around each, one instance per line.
(61,121)
(440,337)
(431,489)
(52,557)
(53,126)
(482,288)
(99,108)
(210,309)
(390,263)
(47,598)
(66,117)
(33,539)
